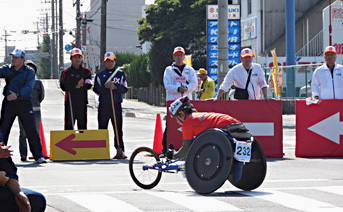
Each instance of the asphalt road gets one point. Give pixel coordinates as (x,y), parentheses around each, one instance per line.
(291,184)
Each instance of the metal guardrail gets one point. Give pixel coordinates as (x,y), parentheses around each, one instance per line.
(302,74)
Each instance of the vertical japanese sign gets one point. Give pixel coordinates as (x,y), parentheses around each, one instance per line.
(234,39)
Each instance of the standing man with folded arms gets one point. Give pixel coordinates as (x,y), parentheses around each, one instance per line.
(75,81)
(20,80)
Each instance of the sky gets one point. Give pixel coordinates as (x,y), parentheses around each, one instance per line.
(19,15)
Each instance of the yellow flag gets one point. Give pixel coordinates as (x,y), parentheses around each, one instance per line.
(255,55)
(275,73)
(188,60)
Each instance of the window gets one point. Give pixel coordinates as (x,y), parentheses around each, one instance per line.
(249,7)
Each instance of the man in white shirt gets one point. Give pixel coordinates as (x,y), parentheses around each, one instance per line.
(179,78)
(239,74)
(327,79)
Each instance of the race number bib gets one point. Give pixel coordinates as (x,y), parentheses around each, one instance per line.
(181,79)
(243,151)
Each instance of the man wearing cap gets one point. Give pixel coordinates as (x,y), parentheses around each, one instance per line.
(179,80)
(327,79)
(37,97)
(111,81)
(20,80)
(207,86)
(75,81)
(239,76)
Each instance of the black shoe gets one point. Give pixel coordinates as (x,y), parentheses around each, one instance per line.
(23,158)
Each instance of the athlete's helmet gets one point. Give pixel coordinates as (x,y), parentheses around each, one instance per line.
(180,105)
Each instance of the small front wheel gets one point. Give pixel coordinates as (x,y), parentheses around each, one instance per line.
(141,166)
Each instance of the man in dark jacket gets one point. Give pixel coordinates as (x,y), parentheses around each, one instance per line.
(20,80)
(111,81)
(37,97)
(75,81)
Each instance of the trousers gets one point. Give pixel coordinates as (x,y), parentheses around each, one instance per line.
(23,109)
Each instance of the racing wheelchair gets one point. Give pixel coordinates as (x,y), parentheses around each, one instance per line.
(215,155)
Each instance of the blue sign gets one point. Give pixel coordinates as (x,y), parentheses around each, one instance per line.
(67,47)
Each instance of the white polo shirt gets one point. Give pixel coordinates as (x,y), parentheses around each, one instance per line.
(238,76)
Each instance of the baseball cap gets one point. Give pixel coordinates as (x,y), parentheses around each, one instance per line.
(109,56)
(329,49)
(179,49)
(75,51)
(202,71)
(18,53)
(32,64)
(246,52)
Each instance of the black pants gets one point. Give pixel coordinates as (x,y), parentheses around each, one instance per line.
(8,203)
(79,114)
(105,113)
(23,109)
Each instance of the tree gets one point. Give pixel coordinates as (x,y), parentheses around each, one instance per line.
(44,65)
(171,23)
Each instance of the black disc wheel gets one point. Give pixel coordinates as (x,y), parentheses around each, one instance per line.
(208,161)
(140,161)
(254,172)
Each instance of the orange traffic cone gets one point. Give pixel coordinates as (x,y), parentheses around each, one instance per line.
(158,135)
(42,140)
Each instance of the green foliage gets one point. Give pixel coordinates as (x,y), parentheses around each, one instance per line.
(171,23)
(44,65)
(135,68)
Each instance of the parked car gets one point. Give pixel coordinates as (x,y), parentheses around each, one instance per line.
(302,91)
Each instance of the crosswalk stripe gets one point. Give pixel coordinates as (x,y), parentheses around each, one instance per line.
(293,201)
(97,202)
(331,189)
(194,202)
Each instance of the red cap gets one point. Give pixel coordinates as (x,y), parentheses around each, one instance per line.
(246,52)
(76,51)
(329,49)
(109,56)
(178,50)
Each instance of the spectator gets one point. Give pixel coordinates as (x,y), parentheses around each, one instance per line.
(75,81)
(207,87)
(327,79)
(20,80)
(110,84)
(12,196)
(37,98)
(246,75)
(179,80)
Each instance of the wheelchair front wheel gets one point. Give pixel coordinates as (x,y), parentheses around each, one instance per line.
(140,161)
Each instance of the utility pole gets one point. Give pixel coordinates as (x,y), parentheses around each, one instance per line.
(223,60)
(78,25)
(61,65)
(53,44)
(37,33)
(103,33)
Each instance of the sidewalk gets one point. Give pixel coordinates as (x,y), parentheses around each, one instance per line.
(132,107)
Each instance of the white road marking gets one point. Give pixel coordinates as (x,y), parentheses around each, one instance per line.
(293,201)
(195,202)
(98,202)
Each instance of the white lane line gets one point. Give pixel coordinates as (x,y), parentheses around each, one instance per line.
(293,201)
(331,189)
(97,202)
(195,202)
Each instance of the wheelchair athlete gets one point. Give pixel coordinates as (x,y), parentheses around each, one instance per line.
(193,123)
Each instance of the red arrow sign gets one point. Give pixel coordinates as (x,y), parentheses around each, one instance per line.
(68,144)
